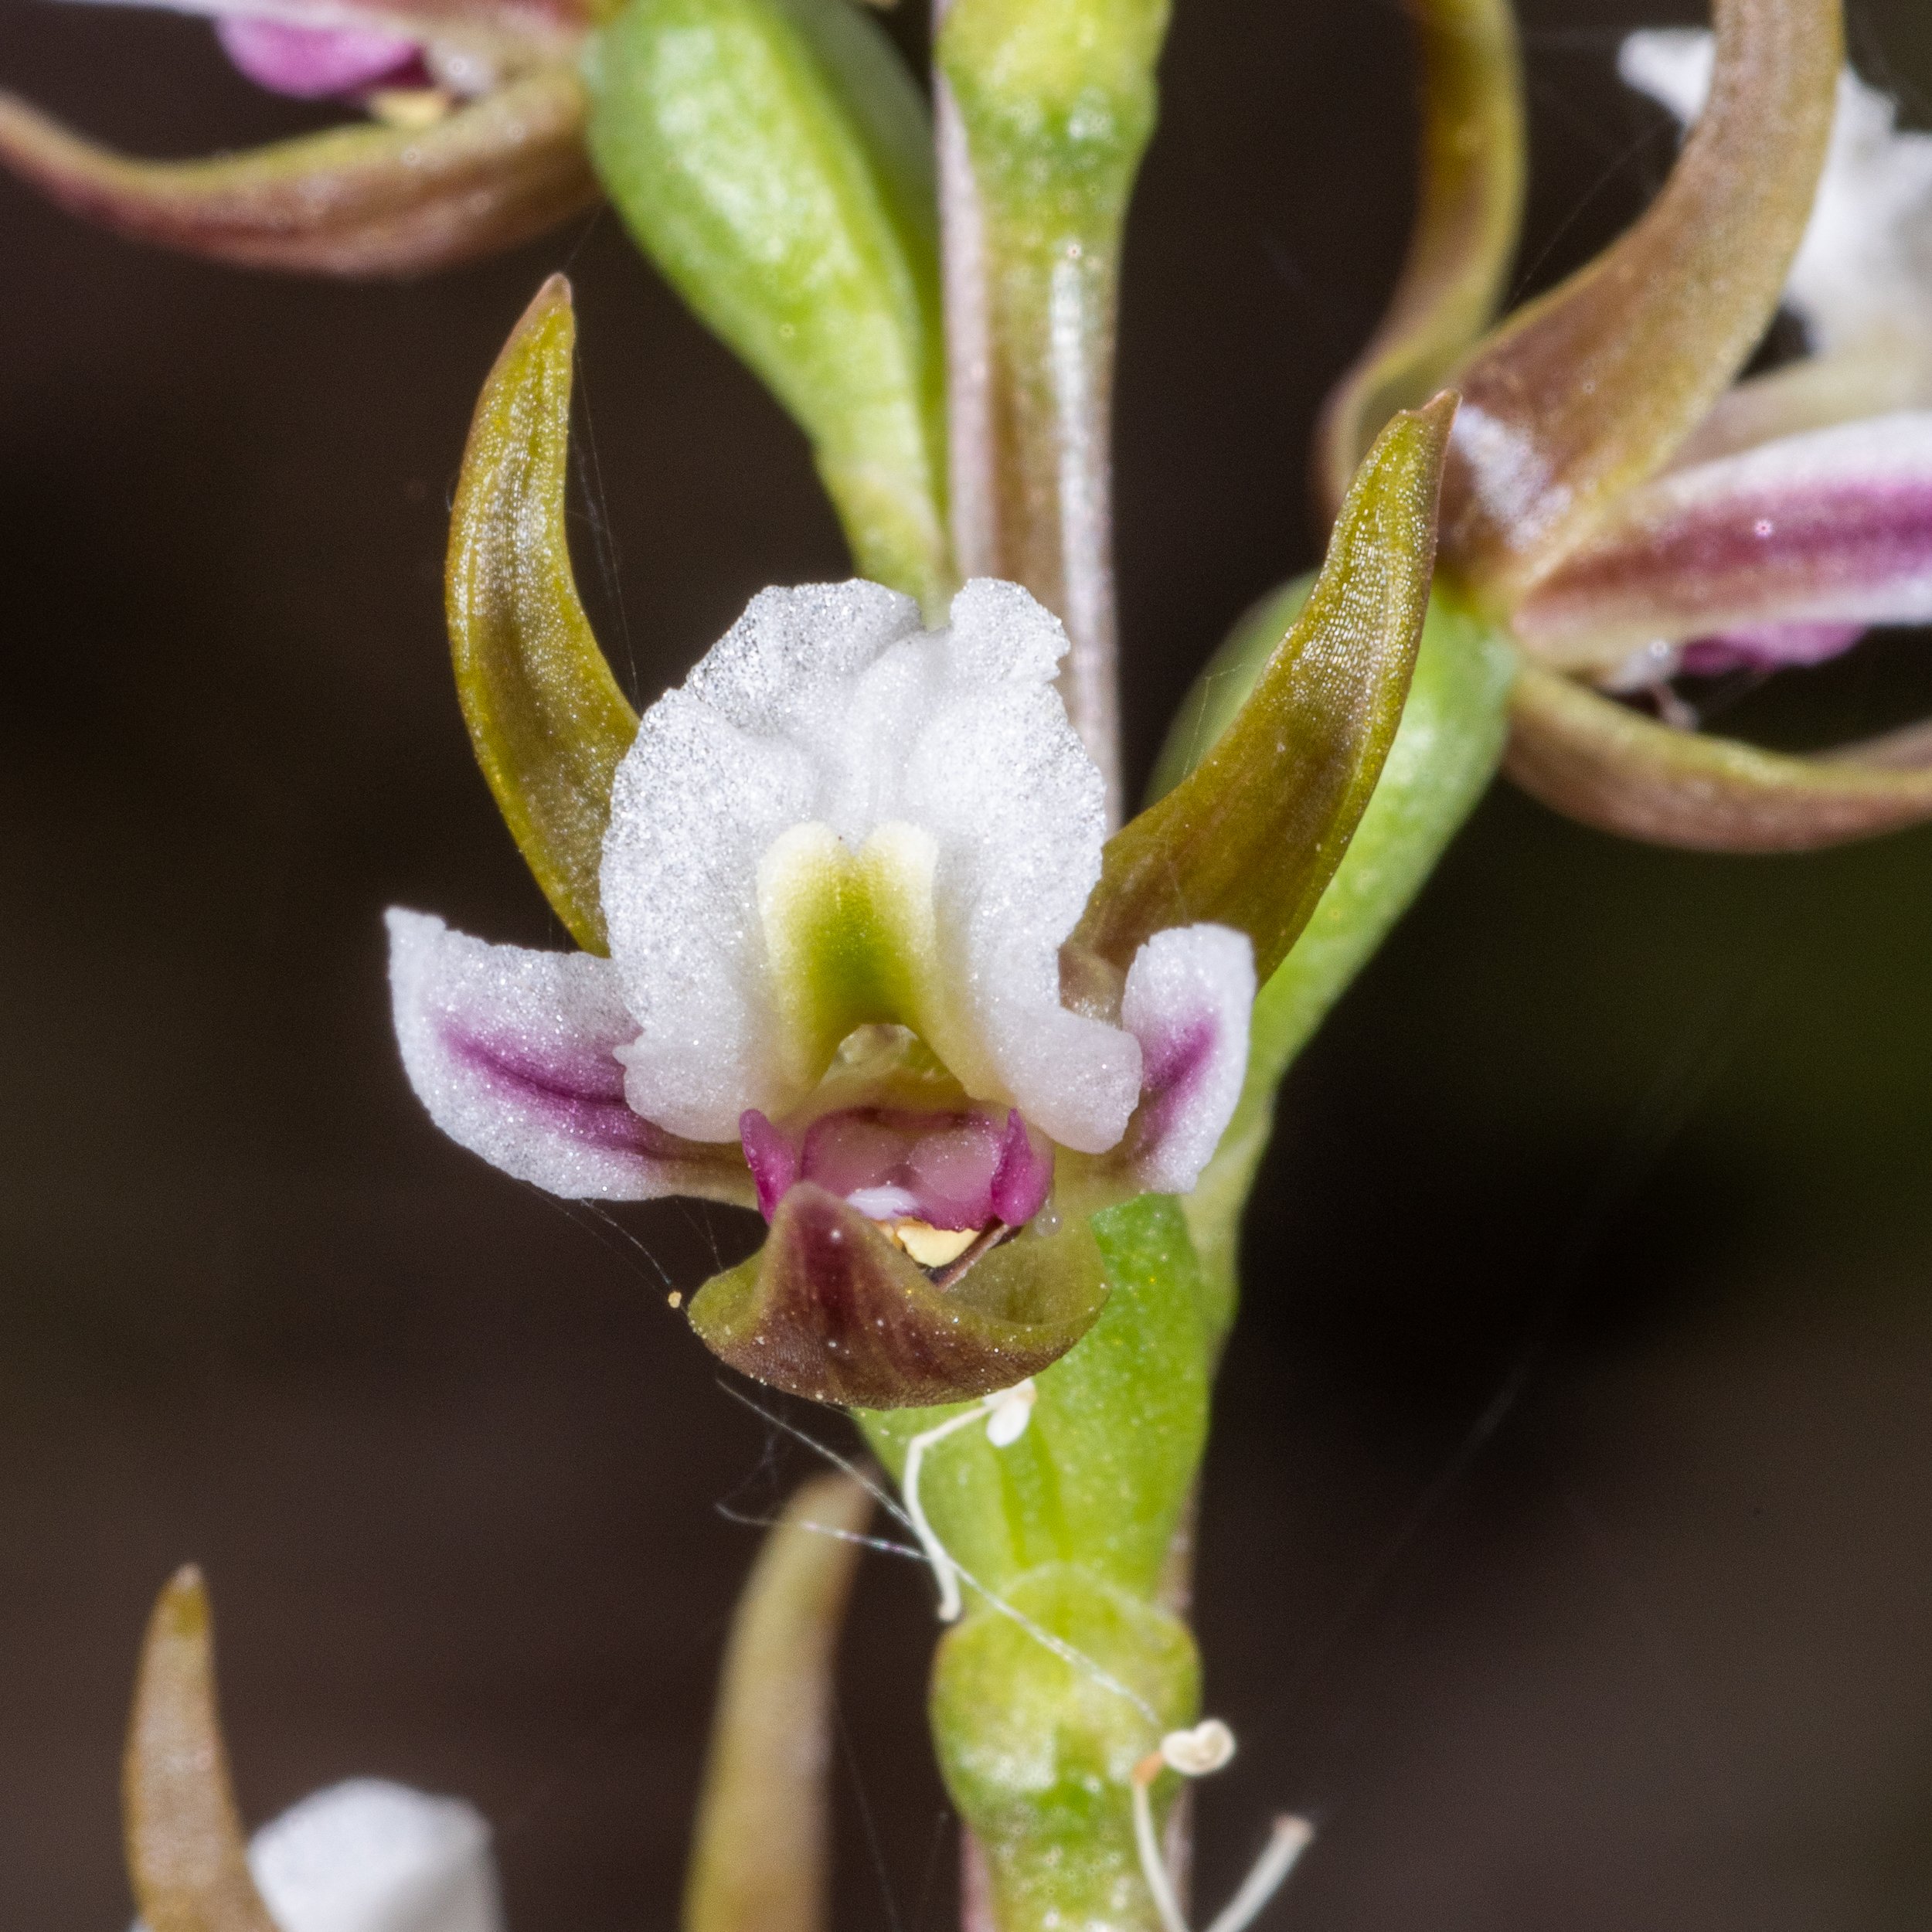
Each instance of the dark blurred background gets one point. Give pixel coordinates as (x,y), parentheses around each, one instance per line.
(1568,1544)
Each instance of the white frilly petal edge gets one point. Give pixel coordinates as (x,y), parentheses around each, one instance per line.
(370,1856)
(1862,278)
(513,1053)
(1189,996)
(829,704)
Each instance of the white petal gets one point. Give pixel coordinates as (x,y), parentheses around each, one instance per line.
(514,1053)
(830,706)
(1189,996)
(1863,280)
(370,1856)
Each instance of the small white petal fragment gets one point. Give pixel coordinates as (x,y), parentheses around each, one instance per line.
(1008,1412)
(1196,1752)
(371,1856)
(1189,995)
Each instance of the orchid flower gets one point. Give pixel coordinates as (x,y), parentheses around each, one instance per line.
(1625,509)
(856,948)
(477,140)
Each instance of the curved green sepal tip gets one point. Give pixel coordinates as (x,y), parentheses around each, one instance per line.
(1037,1747)
(1103,1473)
(1253,834)
(831,1308)
(1445,751)
(549,724)
(774,159)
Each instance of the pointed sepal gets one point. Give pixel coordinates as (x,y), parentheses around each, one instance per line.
(1601,763)
(831,1308)
(1468,217)
(1591,389)
(549,722)
(187,1855)
(1249,838)
(365,201)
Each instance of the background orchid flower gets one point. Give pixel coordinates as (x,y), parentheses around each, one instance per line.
(366,1856)
(477,144)
(1622,508)
(873,962)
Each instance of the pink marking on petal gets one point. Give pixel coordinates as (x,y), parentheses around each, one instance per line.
(580,1095)
(1768,647)
(316,63)
(1024,1176)
(1811,535)
(772,1158)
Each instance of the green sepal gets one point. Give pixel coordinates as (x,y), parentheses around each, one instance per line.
(1037,1748)
(1450,740)
(1254,833)
(774,159)
(1103,1471)
(831,1309)
(548,720)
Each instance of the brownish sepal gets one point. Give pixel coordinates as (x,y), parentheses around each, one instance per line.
(1605,765)
(831,1309)
(187,1855)
(365,201)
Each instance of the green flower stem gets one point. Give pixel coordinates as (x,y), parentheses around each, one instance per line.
(1047,108)
(1446,750)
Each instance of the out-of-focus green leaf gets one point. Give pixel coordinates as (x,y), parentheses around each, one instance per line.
(761,1857)
(1444,755)
(1103,1472)
(1253,834)
(774,158)
(1469,213)
(1593,387)
(362,202)
(548,722)
(187,1855)
(1594,760)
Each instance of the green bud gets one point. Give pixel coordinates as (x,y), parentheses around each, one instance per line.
(1037,1747)
(1058,97)
(774,158)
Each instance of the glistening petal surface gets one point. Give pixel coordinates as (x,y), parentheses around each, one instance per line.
(826,732)
(513,1053)
(1835,527)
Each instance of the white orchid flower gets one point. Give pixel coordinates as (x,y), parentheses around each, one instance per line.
(842,861)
